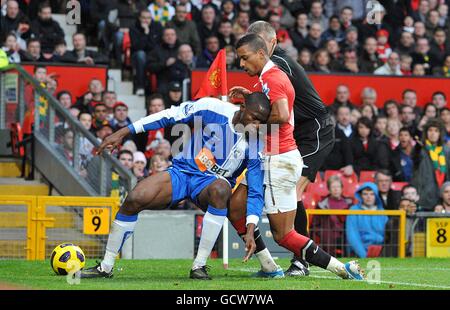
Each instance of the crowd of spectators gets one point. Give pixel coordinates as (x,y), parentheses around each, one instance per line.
(167,39)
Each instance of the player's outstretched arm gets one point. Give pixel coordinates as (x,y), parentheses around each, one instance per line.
(113,141)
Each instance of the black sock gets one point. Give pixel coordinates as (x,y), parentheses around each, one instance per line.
(301,225)
(301,221)
(260,245)
(315,255)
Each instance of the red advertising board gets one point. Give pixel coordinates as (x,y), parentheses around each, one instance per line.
(74,78)
(387,87)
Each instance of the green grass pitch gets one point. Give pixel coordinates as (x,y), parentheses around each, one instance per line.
(410,273)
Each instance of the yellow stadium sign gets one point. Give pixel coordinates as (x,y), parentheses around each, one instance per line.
(96,221)
(438,237)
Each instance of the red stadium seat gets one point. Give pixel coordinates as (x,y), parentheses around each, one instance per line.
(351,179)
(367,176)
(329,173)
(318,188)
(350,189)
(398,186)
(126,48)
(318,177)
(310,200)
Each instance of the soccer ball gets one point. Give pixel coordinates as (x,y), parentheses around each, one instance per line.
(67,257)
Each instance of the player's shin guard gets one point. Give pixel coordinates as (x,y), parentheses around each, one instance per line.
(121,229)
(261,252)
(313,254)
(212,224)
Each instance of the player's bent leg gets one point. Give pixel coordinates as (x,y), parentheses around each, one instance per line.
(216,197)
(237,215)
(153,192)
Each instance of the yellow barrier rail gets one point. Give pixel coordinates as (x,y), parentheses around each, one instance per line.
(30,203)
(38,220)
(399,213)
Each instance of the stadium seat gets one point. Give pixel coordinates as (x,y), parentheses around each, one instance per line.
(318,177)
(367,176)
(350,189)
(318,188)
(310,200)
(398,186)
(126,48)
(374,250)
(351,179)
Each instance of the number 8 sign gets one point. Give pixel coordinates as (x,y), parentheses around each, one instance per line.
(96,221)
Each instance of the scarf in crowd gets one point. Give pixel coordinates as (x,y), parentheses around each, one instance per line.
(43,106)
(437,156)
(165,14)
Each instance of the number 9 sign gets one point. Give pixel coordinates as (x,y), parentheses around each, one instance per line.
(96,221)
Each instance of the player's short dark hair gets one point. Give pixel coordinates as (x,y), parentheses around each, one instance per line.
(258,102)
(254,41)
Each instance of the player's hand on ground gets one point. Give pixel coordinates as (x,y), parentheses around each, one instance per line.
(250,244)
(238,92)
(113,141)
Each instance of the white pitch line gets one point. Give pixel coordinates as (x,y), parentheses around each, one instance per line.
(336,278)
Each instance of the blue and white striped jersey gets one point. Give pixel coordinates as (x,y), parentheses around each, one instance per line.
(214,146)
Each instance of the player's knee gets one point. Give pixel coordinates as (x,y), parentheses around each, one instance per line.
(220,193)
(277,237)
(133,204)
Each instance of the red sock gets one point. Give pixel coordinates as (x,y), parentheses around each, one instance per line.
(294,242)
(240,226)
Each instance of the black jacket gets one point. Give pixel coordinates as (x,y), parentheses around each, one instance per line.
(392,201)
(72,56)
(376,156)
(369,63)
(48,32)
(157,64)
(341,155)
(145,42)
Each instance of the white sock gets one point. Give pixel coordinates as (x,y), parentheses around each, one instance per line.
(121,229)
(335,266)
(212,224)
(266,261)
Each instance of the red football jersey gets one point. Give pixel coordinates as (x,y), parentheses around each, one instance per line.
(276,85)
